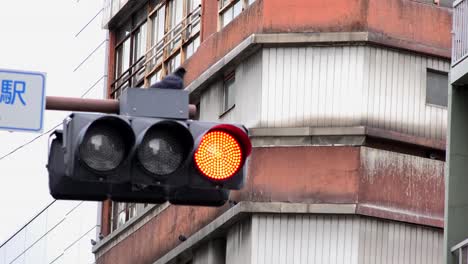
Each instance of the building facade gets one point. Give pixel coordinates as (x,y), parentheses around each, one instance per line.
(456,199)
(346,103)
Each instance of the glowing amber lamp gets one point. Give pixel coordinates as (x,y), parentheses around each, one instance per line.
(219,155)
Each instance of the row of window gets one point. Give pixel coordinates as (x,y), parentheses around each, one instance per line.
(159,37)
(122,212)
(155,41)
(229,9)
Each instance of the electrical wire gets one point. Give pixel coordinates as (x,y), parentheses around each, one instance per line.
(48,131)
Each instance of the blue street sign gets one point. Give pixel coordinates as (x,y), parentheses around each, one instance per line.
(22,100)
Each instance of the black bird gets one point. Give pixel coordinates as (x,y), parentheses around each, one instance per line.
(172,81)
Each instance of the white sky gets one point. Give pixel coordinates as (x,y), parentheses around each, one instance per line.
(40,35)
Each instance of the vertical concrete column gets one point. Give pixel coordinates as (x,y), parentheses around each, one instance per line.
(456,180)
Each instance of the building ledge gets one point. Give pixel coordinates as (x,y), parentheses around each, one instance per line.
(356,180)
(252,43)
(219,226)
(350,132)
(129,227)
(459,73)
(255,41)
(243,209)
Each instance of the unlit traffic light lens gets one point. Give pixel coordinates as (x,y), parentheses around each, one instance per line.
(219,155)
(103,148)
(160,152)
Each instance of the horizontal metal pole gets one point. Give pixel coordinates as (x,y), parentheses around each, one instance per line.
(91,105)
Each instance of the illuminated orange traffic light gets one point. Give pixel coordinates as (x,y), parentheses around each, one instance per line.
(219,155)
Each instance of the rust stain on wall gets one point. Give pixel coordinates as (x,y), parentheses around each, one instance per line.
(397,23)
(382,183)
(302,174)
(402,183)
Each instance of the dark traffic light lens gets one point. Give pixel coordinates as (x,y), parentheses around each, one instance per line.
(103,148)
(161,152)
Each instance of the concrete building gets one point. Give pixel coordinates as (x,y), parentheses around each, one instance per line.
(456,198)
(346,102)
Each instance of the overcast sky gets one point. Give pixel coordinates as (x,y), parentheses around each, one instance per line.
(47,36)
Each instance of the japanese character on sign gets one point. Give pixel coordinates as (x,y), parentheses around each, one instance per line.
(12,90)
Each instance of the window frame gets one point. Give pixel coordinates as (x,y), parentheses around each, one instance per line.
(223,8)
(129,211)
(439,72)
(228,92)
(121,81)
(163,43)
(190,16)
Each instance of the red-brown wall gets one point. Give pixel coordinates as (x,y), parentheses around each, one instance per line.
(381,183)
(402,24)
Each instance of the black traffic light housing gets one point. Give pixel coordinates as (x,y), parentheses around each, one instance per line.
(97,147)
(148,154)
(67,188)
(197,179)
(168,142)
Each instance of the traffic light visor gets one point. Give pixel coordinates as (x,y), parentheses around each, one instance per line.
(219,155)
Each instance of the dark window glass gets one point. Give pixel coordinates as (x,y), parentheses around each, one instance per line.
(228,87)
(437,88)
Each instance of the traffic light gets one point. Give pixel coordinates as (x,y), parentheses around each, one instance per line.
(219,155)
(97,147)
(161,149)
(67,188)
(146,156)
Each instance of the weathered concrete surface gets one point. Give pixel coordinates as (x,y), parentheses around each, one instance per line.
(397,23)
(401,187)
(380,183)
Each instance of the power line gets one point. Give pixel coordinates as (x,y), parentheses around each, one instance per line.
(29,142)
(50,130)
(89,22)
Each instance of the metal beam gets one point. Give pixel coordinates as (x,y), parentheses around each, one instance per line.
(91,105)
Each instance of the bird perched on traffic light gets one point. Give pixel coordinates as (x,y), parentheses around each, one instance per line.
(172,81)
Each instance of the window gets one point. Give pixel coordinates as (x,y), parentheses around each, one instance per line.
(229,91)
(153,42)
(192,47)
(123,212)
(437,88)
(171,28)
(229,9)
(175,35)
(157,23)
(129,54)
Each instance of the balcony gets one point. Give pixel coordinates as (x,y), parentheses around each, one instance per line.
(460,43)
(167,50)
(461,252)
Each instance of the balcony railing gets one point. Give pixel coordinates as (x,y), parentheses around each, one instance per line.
(169,44)
(178,35)
(460,30)
(130,77)
(461,251)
